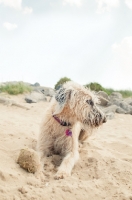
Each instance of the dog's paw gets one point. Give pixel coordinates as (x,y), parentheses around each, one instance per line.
(61,175)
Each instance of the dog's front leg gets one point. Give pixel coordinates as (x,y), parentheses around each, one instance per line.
(72,157)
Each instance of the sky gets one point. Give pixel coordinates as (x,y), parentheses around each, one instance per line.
(85,40)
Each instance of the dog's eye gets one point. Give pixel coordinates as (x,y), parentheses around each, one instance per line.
(90,102)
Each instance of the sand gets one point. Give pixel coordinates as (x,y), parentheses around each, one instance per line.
(104,170)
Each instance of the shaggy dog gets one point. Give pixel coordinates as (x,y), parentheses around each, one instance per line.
(71,116)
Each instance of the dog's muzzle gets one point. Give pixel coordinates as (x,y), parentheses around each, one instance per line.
(96,119)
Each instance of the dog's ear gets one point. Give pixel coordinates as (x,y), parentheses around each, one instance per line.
(62,96)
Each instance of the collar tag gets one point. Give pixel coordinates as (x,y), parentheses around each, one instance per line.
(68,132)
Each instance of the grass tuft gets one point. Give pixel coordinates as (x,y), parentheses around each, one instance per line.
(97,87)
(126,93)
(61,82)
(14,89)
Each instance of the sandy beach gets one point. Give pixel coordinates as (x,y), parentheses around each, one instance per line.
(104,170)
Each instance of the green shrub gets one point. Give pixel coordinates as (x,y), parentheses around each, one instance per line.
(61,82)
(126,93)
(14,89)
(97,87)
(108,90)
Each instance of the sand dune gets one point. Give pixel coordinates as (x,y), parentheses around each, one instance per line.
(104,170)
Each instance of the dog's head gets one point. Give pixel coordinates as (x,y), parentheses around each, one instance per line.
(80,103)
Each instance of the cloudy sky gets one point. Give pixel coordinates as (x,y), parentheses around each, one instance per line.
(85,40)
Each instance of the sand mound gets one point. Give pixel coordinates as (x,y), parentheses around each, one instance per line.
(104,170)
(28,159)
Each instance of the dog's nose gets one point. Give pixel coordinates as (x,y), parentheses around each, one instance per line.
(105,120)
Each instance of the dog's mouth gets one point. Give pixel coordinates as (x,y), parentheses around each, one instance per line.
(100,121)
(105,120)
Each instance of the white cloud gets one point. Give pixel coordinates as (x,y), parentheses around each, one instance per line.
(106,5)
(124,51)
(117,73)
(78,3)
(27,10)
(17,5)
(129,3)
(10,26)
(123,60)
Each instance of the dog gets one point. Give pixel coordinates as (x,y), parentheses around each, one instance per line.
(71,116)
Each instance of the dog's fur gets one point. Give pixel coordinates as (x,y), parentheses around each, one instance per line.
(72,104)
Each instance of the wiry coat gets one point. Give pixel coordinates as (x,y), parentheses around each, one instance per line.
(75,105)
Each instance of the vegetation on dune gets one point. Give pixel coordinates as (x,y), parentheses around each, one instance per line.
(61,82)
(125,93)
(20,88)
(97,87)
(14,89)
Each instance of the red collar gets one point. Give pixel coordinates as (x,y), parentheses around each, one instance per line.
(63,123)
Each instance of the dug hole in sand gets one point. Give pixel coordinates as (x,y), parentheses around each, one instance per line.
(104,170)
